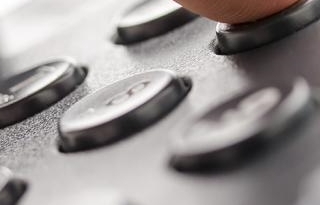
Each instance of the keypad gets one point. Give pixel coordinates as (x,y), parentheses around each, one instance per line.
(121,109)
(231,131)
(151,18)
(30,92)
(143,143)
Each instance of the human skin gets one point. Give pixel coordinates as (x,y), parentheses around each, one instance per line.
(236,11)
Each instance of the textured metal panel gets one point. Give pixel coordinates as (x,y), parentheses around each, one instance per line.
(138,167)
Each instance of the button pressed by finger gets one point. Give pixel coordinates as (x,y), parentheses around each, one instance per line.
(233,39)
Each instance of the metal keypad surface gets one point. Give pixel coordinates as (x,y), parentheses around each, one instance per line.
(138,167)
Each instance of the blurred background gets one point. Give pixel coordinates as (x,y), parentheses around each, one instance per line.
(25,23)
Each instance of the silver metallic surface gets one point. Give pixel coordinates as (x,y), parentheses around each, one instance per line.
(137,167)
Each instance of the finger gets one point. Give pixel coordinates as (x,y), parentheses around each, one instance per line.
(236,11)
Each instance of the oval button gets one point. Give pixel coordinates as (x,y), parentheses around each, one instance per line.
(240,126)
(121,109)
(30,92)
(151,18)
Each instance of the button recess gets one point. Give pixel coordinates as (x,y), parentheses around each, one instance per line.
(30,92)
(121,109)
(233,39)
(151,18)
(240,126)
(11,189)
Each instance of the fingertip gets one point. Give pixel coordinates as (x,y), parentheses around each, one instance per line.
(235,11)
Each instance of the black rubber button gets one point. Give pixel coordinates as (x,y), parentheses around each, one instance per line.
(121,109)
(30,92)
(151,18)
(234,130)
(11,189)
(232,39)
